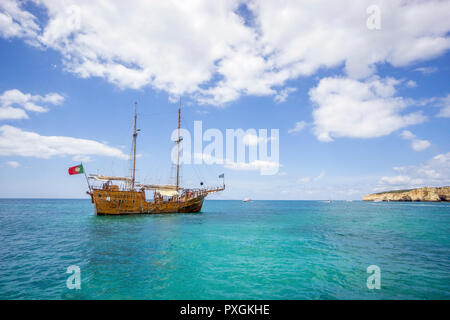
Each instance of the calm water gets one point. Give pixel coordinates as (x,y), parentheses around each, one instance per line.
(232,250)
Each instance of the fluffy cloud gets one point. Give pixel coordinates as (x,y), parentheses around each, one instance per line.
(11,99)
(308,36)
(400,180)
(12,113)
(434,172)
(283,94)
(13,164)
(359,109)
(320,176)
(16,142)
(416,144)
(309,179)
(444,104)
(299,126)
(170,45)
(208,50)
(15,22)
(426,70)
(261,165)
(254,140)
(420,145)
(411,84)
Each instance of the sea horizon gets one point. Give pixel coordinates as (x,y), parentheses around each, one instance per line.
(31,198)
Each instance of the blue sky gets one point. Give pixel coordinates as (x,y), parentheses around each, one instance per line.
(373,106)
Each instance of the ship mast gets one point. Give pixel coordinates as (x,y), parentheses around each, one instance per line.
(178,147)
(133,179)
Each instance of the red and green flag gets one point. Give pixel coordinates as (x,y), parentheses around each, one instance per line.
(76,170)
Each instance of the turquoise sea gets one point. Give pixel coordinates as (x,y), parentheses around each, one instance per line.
(232,250)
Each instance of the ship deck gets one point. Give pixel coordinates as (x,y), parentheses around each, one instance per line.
(110,200)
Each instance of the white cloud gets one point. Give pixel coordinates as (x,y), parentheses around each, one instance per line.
(13,164)
(411,84)
(320,176)
(81,158)
(426,70)
(207,158)
(16,98)
(16,142)
(299,126)
(283,94)
(406,134)
(171,46)
(400,180)
(15,22)
(444,104)
(309,36)
(254,140)
(434,172)
(416,144)
(261,165)
(359,109)
(53,98)
(309,179)
(206,50)
(420,145)
(12,113)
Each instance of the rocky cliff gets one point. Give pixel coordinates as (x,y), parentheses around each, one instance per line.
(420,194)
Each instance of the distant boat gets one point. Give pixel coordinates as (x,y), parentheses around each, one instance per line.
(247,200)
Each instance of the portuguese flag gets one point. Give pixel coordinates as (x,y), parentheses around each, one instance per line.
(76,170)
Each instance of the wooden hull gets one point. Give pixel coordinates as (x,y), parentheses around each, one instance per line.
(115,202)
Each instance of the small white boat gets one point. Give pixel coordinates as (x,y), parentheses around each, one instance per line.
(247,200)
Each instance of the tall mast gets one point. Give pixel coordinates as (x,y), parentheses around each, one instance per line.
(178,146)
(134,148)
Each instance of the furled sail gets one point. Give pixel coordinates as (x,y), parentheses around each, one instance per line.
(159,187)
(108,178)
(168,193)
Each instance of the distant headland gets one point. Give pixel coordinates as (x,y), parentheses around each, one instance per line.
(428,194)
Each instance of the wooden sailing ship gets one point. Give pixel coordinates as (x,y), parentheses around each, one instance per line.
(111,198)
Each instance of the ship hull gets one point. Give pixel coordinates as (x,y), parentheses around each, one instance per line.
(114,202)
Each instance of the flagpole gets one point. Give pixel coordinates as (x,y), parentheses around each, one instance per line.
(223,179)
(87,180)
